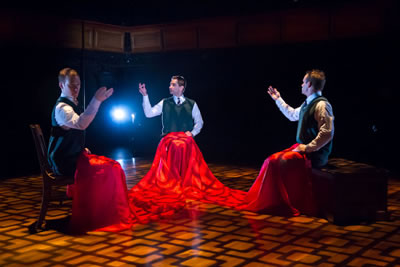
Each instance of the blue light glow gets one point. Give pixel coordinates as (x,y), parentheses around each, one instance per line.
(119,114)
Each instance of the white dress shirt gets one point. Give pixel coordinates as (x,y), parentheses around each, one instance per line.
(67,118)
(323,115)
(157,110)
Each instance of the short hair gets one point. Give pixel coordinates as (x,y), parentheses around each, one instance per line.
(181,80)
(316,78)
(66,72)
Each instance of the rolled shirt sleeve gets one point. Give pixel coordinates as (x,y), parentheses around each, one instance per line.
(324,116)
(67,118)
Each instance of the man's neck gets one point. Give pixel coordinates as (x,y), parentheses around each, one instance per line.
(73,99)
(313,96)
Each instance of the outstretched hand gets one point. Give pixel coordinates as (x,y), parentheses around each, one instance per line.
(102,93)
(142,89)
(273,93)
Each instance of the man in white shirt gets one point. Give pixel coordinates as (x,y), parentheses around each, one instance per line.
(68,123)
(179,113)
(284,183)
(315,128)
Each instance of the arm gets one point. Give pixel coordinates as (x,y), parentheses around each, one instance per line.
(290,113)
(198,120)
(149,111)
(324,116)
(67,118)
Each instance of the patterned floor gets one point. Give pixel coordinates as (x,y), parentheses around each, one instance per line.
(202,235)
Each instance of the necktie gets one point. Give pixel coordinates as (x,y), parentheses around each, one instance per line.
(179,101)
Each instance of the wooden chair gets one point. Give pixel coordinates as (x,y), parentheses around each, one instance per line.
(49,179)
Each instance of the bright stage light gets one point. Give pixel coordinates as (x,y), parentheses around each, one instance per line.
(133,117)
(119,114)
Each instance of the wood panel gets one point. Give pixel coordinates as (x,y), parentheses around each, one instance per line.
(72,35)
(257,30)
(295,25)
(109,38)
(305,25)
(179,37)
(217,33)
(146,39)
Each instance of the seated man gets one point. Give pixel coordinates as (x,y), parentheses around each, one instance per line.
(179,171)
(284,182)
(99,190)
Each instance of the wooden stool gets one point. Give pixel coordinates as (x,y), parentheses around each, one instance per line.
(349,192)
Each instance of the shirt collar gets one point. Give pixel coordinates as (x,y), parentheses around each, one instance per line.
(313,96)
(70,98)
(176,99)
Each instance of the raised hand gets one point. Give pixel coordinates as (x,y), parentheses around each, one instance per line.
(102,93)
(273,93)
(142,89)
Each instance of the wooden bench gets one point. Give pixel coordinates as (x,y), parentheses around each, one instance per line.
(348,192)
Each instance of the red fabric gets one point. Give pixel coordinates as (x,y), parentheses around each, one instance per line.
(178,172)
(283,185)
(99,194)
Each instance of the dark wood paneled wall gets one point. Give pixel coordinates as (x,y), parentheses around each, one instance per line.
(287,26)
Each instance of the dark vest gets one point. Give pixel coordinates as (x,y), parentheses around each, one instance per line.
(64,145)
(307,130)
(177,118)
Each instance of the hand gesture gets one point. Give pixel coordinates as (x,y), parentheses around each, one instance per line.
(102,93)
(273,93)
(142,89)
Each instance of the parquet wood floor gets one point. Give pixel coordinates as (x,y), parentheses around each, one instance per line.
(201,235)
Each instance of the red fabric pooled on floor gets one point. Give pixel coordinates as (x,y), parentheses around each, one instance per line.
(178,172)
(99,194)
(283,186)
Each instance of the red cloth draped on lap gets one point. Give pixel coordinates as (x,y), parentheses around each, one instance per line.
(178,172)
(99,194)
(283,185)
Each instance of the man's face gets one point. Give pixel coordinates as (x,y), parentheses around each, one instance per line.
(306,88)
(174,88)
(71,86)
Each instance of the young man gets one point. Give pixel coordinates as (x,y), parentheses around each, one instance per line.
(67,138)
(315,118)
(179,114)
(284,182)
(179,171)
(99,191)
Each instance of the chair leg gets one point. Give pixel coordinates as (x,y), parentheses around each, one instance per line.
(43,209)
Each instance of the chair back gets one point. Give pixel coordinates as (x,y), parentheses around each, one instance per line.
(41,149)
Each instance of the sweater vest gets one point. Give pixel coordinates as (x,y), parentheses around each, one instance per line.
(307,130)
(177,118)
(64,145)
